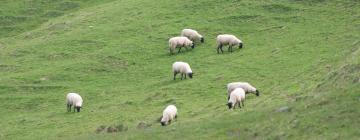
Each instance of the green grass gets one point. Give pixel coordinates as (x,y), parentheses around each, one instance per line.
(21,16)
(300,54)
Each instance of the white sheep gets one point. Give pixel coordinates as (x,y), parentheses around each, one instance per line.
(237,96)
(169,114)
(192,35)
(183,68)
(244,85)
(74,99)
(180,42)
(226,39)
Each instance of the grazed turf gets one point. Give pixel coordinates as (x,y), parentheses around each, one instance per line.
(303,55)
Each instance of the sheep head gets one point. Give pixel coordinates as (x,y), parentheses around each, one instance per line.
(229,104)
(257,93)
(190,75)
(78,108)
(240,45)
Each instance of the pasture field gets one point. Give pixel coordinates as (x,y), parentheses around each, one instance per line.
(303,56)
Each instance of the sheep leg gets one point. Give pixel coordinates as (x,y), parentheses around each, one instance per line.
(222,51)
(218,47)
(74,108)
(239,105)
(243,103)
(185,76)
(230,49)
(68,107)
(175,75)
(181,76)
(179,49)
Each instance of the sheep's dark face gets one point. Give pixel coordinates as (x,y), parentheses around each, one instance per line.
(229,105)
(193,45)
(202,40)
(78,108)
(257,93)
(190,75)
(240,45)
(163,123)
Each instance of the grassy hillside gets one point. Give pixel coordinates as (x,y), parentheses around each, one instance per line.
(21,16)
(302,55)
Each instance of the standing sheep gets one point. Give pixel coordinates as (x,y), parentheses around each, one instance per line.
(74,99)
(169,114)
(183,68)
(179,42)
(192,35)
(226,39)
(244,85)
(237,96)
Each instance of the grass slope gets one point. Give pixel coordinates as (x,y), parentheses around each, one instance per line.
(20,16)
(300,54)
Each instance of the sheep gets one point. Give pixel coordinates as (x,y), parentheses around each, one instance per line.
(169,114)
(244,85)
(74,99)
(226,39)
(179,42)
(183,68)
(192,35)
(237,96)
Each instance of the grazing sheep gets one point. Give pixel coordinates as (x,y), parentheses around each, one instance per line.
(183,68)
(74,99)
(244,85)
(179,42)
(169,114)
(192,35)
(237,96)
(226,39)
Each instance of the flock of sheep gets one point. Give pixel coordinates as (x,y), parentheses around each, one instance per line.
(189,37)
(236,90)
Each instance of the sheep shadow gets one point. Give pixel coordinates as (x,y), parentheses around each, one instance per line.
(227,50)
(182,51)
